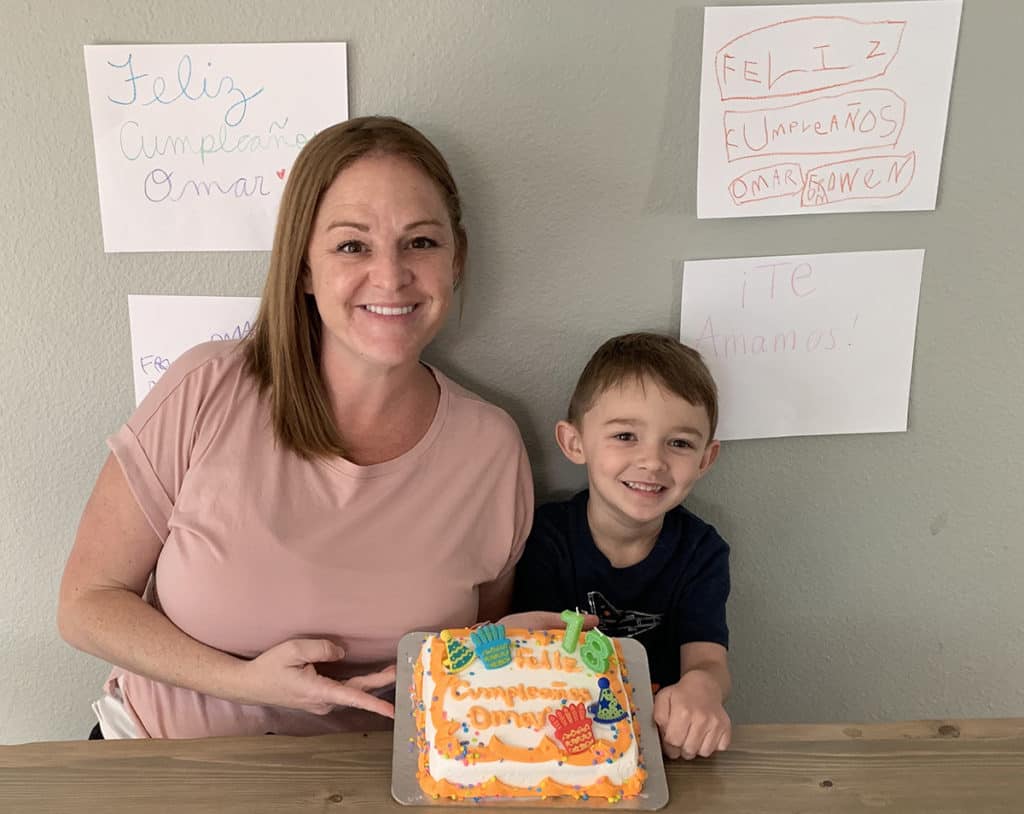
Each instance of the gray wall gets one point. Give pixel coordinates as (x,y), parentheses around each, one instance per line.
(874,575)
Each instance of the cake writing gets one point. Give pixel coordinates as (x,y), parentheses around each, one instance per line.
(526,659)
(558,691)
(484,718)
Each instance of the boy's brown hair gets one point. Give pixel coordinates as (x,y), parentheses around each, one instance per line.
(638,356)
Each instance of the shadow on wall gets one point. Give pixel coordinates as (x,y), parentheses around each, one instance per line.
(675,169)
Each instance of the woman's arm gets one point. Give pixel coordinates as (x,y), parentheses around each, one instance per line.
(101,611)
(496,597)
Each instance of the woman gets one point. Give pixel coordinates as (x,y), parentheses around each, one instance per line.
(298,501)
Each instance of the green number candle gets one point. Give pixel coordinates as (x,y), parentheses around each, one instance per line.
(597,649)
(573,625)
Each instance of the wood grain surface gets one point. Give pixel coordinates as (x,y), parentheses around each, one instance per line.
(931,767)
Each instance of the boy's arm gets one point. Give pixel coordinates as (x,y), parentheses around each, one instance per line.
(689,713)
(709,658)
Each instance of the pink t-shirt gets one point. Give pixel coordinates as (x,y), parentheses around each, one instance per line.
(261,546)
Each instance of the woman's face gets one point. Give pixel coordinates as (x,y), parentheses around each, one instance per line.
(381,260)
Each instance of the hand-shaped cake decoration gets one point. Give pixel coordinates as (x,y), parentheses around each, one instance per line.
(492,646)
(573,728)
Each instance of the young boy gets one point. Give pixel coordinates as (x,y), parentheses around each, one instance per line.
(642,419)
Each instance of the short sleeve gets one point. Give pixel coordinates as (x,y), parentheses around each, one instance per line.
(523,512)
(154,446)
(701,615)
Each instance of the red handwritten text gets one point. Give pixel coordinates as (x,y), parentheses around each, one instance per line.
(856,120)
(805,54)
(777,181)
(766,283)
(875,177)
(726,344)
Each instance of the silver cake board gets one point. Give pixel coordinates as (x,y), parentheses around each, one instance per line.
(405,787)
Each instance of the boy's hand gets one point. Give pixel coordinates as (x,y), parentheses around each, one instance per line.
(691,718)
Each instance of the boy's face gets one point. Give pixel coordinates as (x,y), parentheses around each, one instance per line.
(644,448)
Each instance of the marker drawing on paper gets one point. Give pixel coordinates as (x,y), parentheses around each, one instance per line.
(840,110)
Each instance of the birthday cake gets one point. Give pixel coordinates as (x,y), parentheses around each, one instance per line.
(517,713)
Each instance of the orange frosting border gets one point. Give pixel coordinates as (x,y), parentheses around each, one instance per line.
(495,750)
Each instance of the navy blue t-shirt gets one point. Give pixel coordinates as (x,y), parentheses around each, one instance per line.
(675,595)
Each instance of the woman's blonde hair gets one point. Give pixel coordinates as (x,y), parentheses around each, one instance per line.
(283,350)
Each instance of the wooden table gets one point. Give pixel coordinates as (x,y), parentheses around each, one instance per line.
(931,767)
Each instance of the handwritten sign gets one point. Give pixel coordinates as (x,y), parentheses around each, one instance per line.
(194,142)
(164,327)
(806,345)
(824,108)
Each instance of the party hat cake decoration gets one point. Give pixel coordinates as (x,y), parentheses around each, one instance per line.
(607,710)
(459,656)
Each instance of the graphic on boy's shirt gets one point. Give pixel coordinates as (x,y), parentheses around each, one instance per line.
(615,622)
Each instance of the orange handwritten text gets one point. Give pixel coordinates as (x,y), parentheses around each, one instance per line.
(462,689)
(483,718)
(527,660)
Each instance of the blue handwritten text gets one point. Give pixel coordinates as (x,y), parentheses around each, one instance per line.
(136,143)
(158,187)
(234,114)
(151,363)
(238,332)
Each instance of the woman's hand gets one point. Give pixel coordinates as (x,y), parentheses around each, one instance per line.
(286,676)
(543,620)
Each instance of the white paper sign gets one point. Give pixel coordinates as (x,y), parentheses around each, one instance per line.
(164,327)
(194,142)
(806,345)
(824,108)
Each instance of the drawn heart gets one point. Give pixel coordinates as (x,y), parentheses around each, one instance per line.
(280,174)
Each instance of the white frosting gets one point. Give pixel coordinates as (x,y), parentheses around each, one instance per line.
(556,682)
